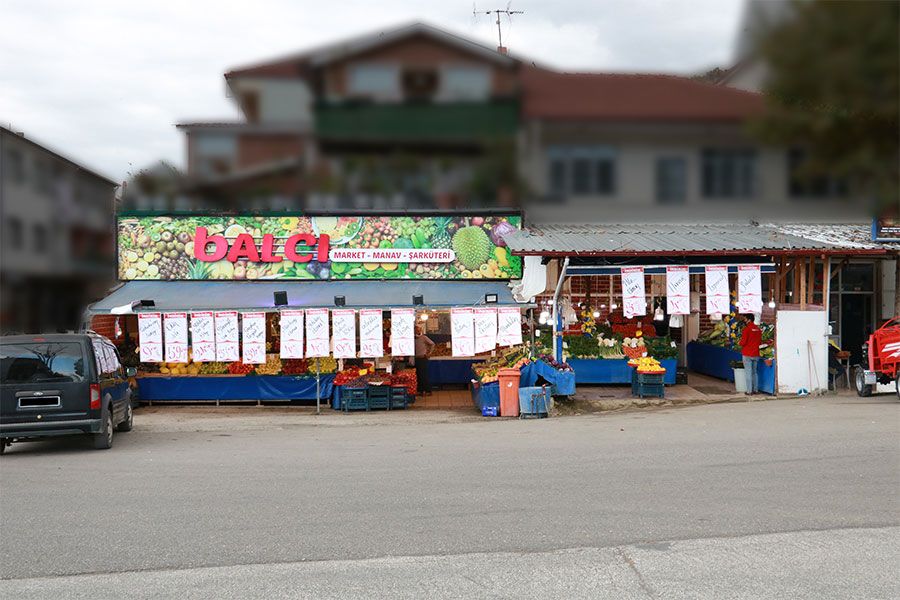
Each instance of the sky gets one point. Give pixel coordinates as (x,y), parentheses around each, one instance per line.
(104,82)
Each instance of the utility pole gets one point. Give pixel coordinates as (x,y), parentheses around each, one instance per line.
(497,12)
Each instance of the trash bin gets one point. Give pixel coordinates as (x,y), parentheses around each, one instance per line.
(509,392)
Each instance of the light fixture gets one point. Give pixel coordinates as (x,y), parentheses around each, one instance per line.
(418,300)
(338,301)
(602,306)
(658,314)
(147,303)
(772,303)
(542,320)
(613,306)
(280,298)
(596,314)
(490,298)
(545,314)
(423,316)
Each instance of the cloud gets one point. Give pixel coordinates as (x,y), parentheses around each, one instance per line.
(106,81)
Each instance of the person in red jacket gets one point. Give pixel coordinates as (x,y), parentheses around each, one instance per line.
(751,338)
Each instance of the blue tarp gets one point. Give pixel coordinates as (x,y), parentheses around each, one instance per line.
(606,370)
(486,395)
(450,371)
(715,361)
(250,387)
(563,382)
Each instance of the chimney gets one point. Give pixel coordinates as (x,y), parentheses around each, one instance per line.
(502,50)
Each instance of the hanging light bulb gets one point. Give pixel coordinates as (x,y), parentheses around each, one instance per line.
(602,306)
(545,315)
(772,303)
(658,314)
(596,314)
(613,306)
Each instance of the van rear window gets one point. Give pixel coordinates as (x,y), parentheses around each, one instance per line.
(39,362)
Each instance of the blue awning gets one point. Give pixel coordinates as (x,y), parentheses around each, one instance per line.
(247,295)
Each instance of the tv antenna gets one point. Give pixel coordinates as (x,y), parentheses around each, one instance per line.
(498,12)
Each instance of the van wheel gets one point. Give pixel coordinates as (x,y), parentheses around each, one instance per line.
(897,385)
(862,389)
(128,423)
(104,439)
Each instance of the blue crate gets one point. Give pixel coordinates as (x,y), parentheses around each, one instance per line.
(399,397)
(652,378)
(354,399)
(379,397)
(490,411)
(657,390)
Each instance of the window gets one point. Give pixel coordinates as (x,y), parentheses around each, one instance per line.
(728,172)
(41,362)
(802,185)
(40,238)
(581,171)
(419,84)
(15,166)
(43,178)
(379,81)
(213,153)
(14,233)
(671,180)
(465,83)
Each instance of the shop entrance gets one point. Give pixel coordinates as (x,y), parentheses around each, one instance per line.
(856,323)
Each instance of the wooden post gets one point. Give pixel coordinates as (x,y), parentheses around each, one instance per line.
(801,275)
(811,285)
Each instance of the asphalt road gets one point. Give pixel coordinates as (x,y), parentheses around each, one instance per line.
(792,498)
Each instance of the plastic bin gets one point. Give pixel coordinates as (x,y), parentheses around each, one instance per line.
(534,401)
(509,392)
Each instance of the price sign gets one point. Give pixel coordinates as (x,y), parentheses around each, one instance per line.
(175,327)
(749,289)
(634,296)
(371,333)
(509,326)
(462,330)
(318,343)
(403,331)
(291,334)
(718,301)
(227,336)
(150,337)
(254,337)
(203,336)
(485,319)
(343,329)
(678,290)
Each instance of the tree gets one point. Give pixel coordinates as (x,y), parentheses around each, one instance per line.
(832,87)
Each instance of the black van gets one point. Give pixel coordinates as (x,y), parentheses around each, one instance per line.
(62,384)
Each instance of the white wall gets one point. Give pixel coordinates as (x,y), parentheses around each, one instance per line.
(280,101)
(801,350)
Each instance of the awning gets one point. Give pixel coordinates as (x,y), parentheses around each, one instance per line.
(246,295)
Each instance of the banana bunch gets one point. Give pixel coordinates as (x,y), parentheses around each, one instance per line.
(272,366)
(647,364)
(326,365)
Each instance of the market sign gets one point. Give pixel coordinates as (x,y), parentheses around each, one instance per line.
(886,230)
(316,247)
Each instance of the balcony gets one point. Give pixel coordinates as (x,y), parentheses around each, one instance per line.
(460,122)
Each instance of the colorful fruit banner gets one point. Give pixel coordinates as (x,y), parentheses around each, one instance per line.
(316,247)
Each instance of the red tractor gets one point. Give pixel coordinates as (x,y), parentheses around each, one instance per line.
(881,359)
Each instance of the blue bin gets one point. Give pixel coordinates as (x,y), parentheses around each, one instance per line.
(534,400)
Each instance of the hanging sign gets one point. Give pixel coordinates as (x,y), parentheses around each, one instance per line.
(485,319)
(634,296)
(718,301)
(291,344)
(509,326)
(175,327)
(203,337)
(403,331)
(317,342)
(227,336)
(254,337)
(371,333)
(343,329)
(150,337)
(462,331)
(678,290)
(749,289)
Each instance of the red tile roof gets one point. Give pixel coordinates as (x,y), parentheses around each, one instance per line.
(624,97)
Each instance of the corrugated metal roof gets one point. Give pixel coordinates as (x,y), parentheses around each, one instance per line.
(233,295)
(682,238)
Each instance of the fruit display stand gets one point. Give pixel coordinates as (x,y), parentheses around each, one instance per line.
(715,361)
(155,387)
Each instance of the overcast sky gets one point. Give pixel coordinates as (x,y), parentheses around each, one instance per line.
(104,81)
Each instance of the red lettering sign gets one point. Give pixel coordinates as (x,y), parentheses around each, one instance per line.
(201,240)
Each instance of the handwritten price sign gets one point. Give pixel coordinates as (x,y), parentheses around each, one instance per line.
(749,289)
(634,300)
(509,326)
(254,337)
(227,336)
(317,341)
(485,329)
(291,334)
(462,329)
(343,327)
(403,341)
(203,336)
(370,333)
(717,294)
(176,330)
(678,290)
(150,337)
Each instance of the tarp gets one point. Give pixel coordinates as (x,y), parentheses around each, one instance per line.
(234,295)
(250,387)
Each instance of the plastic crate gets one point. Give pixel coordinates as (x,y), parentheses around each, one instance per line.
(354,399)
(379,397)
(657,390)
(490,411)
(651,378)
(399,397)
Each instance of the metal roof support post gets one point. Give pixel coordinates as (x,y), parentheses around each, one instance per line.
(557,342)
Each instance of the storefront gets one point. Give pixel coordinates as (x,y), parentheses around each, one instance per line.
(296,307)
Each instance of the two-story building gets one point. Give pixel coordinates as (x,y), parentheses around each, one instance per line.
(57,236)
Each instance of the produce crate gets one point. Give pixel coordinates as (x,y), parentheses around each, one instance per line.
(399,397)
(651,378)
(657,390)
(379,397)
(354,399)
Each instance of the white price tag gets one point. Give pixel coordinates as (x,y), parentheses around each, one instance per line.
(678,290)
(150,337)
(254,337)
(717,295)
(485,319)
(343,328)
(403,331)
(227,336)
(371,333)
(175,327)
(291,334)
(749,289)
(634,296)
(203,337)
(318,343)
(462,330)
(509,326)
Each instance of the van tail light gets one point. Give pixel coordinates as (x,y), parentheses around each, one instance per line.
(95,396)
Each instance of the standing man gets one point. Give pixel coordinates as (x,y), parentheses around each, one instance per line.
(751,338)
(424,346)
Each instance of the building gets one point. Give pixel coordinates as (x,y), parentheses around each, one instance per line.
(57,236)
